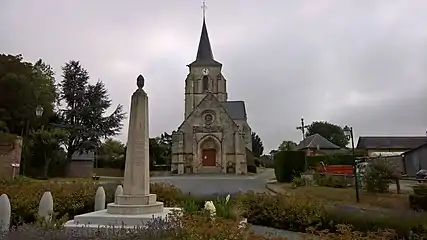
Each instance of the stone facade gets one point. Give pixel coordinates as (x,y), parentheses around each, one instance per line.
(215,134)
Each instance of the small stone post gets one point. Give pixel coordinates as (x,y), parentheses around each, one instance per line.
(46,207)
(5,213)
(100,199)
(119,192)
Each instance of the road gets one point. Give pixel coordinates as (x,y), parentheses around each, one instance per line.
(212,184)
(202,185)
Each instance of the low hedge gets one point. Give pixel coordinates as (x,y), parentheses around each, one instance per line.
(288,165)
(314,161)
(335,181)
(418,199)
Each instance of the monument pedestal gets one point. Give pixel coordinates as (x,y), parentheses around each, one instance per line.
(102,218)
(128,211)
(135,204)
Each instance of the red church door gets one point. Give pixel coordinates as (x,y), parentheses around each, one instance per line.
(208,157)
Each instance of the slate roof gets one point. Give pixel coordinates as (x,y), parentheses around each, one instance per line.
(236,109)
(316,141)
(390,142)
(204,52)
(415,149)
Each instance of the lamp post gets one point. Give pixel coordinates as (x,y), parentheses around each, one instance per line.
(348,131)
(39,112)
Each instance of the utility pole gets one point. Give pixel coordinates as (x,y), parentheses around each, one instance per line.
(302,128)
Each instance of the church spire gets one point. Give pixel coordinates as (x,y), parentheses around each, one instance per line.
(204,52)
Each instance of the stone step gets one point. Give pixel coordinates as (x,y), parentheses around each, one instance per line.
(207,170)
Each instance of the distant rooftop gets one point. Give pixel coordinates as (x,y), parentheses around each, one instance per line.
(391,142)
(316,141)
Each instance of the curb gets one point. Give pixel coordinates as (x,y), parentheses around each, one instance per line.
(270,189)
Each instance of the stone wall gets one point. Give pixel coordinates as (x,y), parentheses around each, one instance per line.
(10,154)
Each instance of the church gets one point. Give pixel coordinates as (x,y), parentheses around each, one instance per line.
(215,136)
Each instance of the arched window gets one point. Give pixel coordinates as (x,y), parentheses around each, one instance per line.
(205,81)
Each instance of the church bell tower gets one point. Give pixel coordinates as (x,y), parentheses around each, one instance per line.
(204,75)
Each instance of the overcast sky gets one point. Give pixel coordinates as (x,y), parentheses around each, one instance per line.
(356,62)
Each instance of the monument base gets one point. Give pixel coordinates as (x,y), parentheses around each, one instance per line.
(139,209)
(100,219)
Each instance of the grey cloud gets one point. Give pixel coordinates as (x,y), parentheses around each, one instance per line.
(349,62)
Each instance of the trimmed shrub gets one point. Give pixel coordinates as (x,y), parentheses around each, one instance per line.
(420,189)
(335,181)
(418,199)
(418,202)
(288,164)
(281,212)
(299,182)
(313,161)
(378,177)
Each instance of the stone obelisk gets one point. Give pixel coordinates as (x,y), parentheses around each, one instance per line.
(136,205)
(136,198)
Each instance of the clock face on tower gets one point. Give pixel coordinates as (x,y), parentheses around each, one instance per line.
(205,71)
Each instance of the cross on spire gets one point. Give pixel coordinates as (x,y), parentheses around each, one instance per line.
(204,7)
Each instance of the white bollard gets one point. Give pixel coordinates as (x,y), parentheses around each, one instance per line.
(46,207)
(5,213)
(119,192)
(100,199)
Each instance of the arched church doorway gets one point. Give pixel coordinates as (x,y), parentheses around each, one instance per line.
(209,151)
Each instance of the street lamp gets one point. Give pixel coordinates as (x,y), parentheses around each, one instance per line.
(348,131)
(39,111)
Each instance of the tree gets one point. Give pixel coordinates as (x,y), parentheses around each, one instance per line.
(287,146)
(257,145)
(43,146)
(331,132)
(111,153)
(156,152)
(84,115)
(24,86)
(162,149)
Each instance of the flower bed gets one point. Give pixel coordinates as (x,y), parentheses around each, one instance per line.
(300,214)
(190,227)
(280,211)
